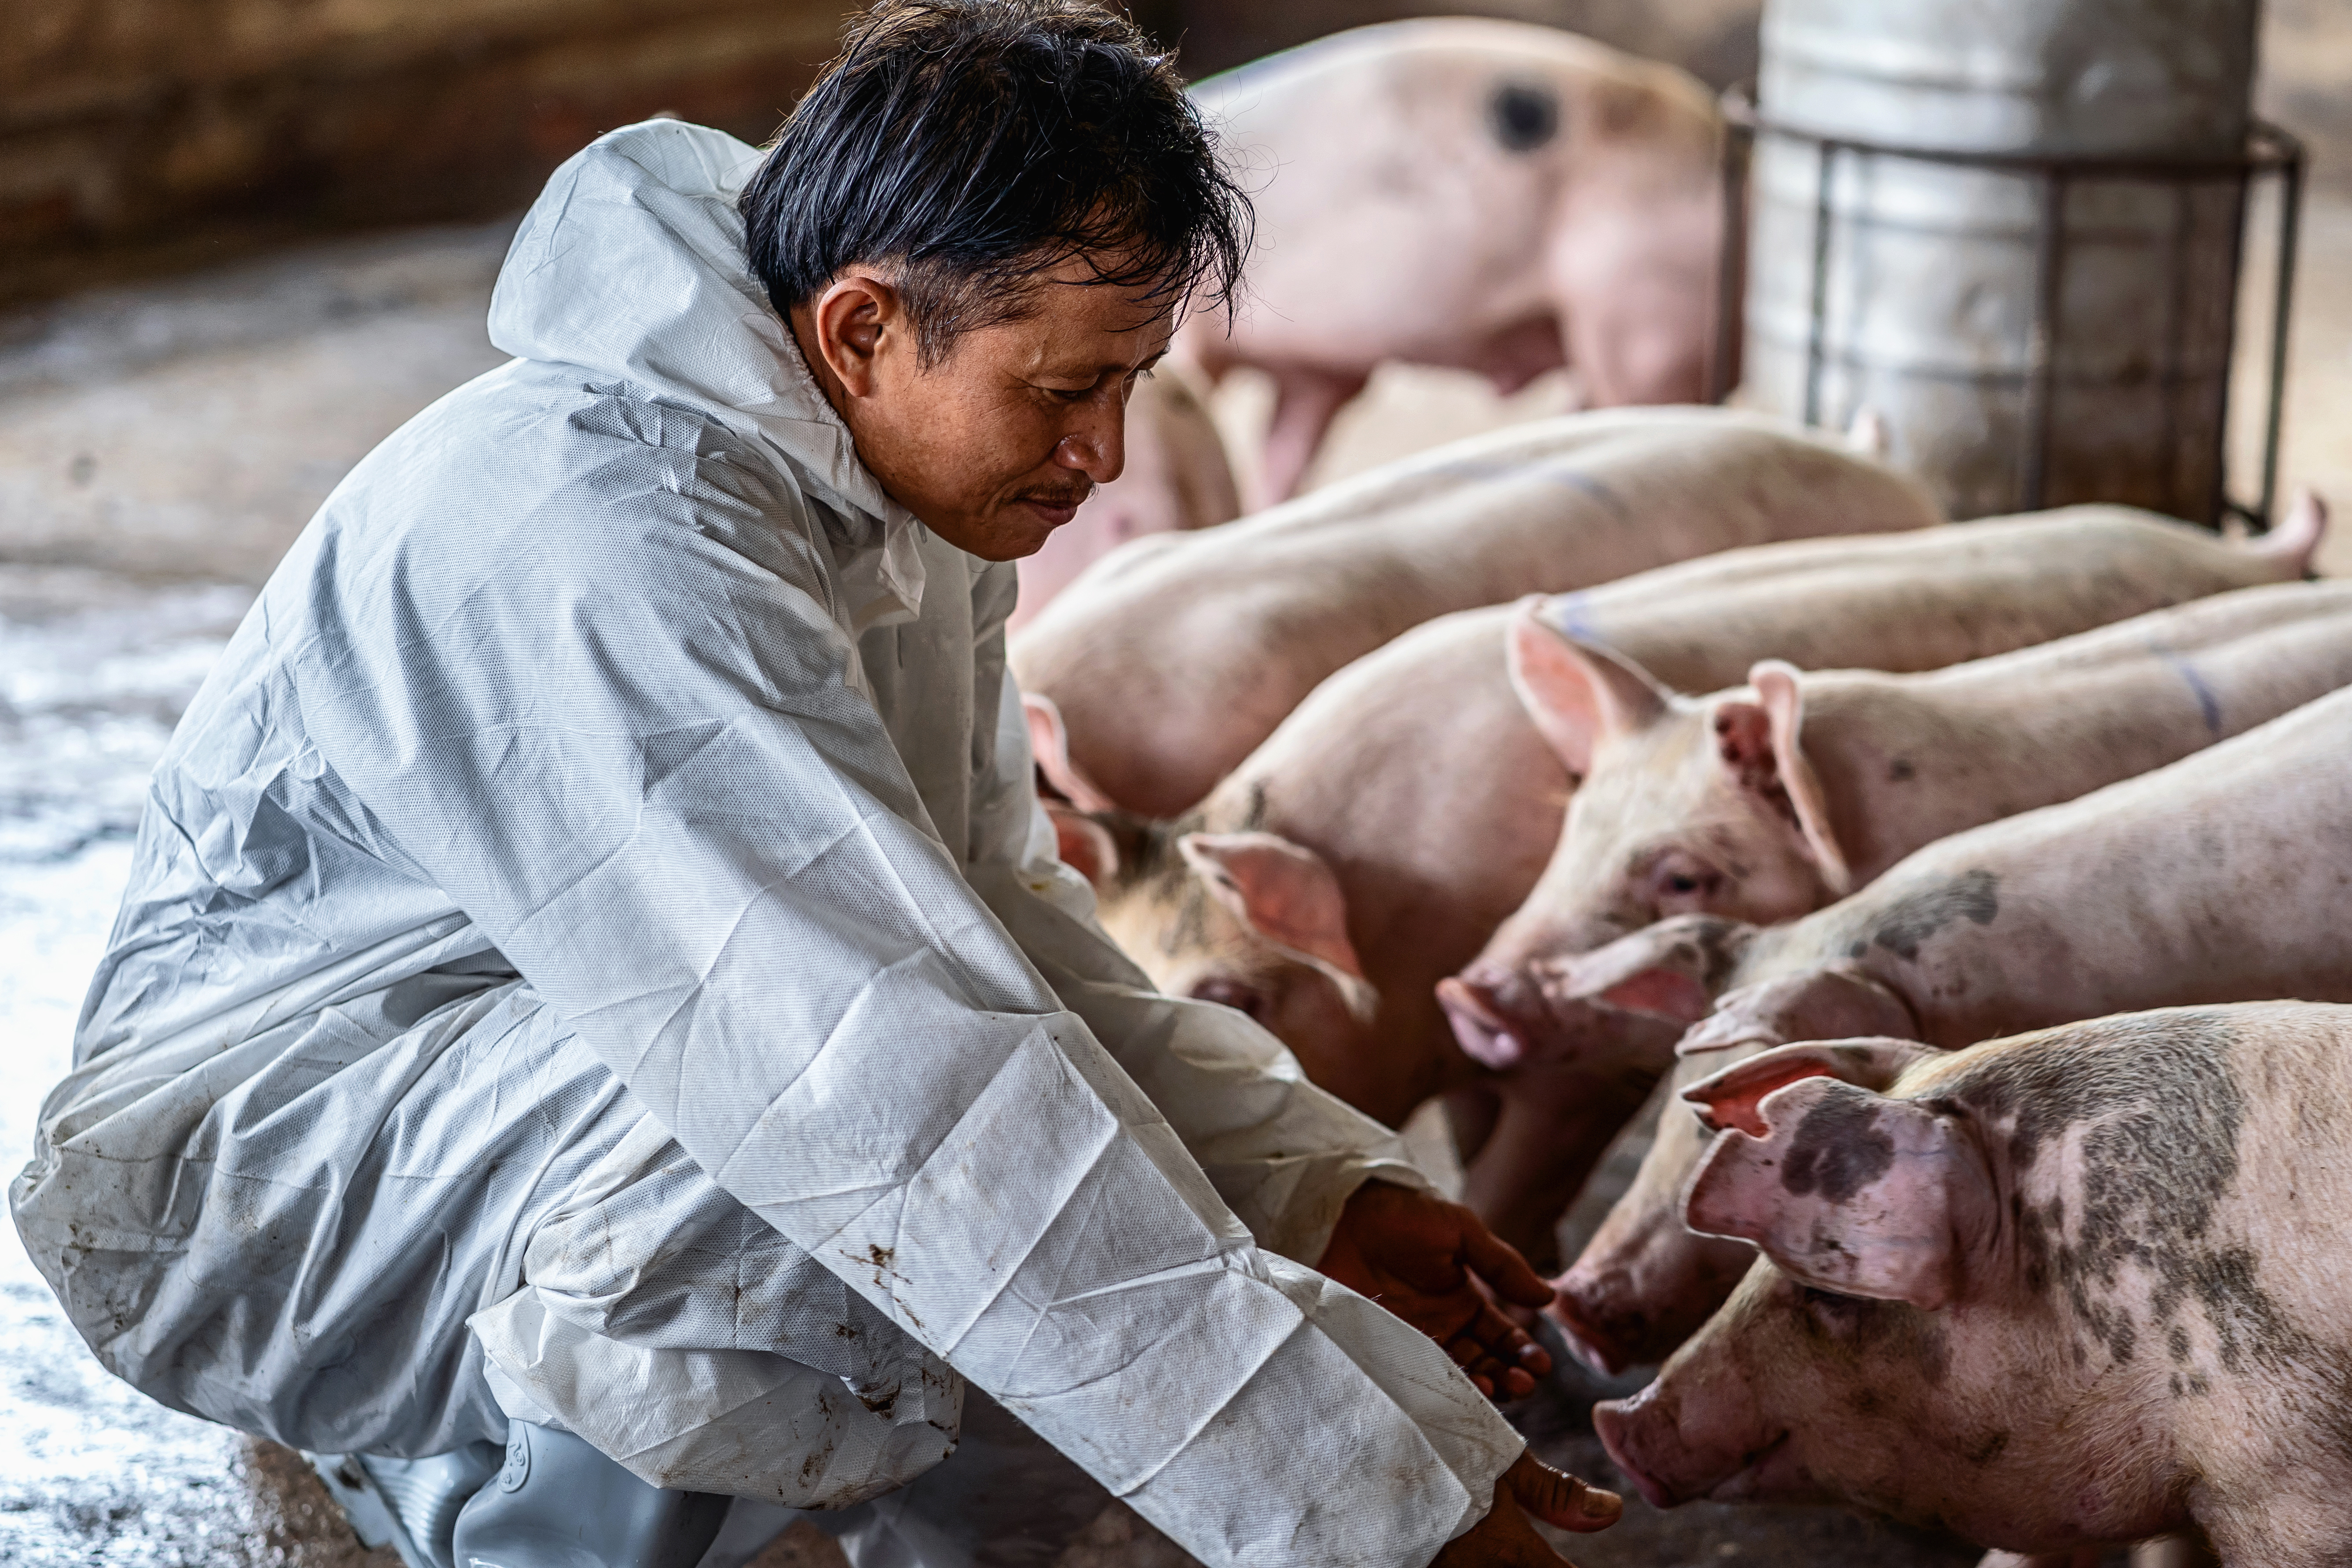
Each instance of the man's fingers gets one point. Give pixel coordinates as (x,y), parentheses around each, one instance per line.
(1559,1498)
(1493,1376)
(1498,1262)
(1506,1340)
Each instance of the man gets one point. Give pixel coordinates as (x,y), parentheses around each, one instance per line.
(595,977)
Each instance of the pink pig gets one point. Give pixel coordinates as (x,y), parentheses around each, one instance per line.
(2217,878)
(2077,1287)
(1490,195)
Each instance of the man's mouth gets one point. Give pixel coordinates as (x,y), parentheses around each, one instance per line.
(1054,508)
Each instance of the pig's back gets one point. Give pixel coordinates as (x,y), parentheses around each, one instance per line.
(2220,877)
(1917,601)
(1171,660)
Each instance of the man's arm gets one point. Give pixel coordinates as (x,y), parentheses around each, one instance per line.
(630,753)
(1290,1159)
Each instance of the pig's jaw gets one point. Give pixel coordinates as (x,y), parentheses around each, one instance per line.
(1594,1328)
(1638,1308)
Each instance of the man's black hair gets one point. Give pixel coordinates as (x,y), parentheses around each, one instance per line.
(973,145)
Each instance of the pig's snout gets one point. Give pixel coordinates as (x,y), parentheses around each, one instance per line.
(1674,1454)
(1626,1427)
(1483,1026)
(1599,1316)
(1634,1305)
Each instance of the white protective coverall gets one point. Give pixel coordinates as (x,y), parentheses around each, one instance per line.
(599,897)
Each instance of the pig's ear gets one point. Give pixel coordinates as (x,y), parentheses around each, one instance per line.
(1084,844)
(1287,894)
(1761,745)
(1578,694)
(1731,1098)
(1848,1192)
(1049,742)
(1672,970)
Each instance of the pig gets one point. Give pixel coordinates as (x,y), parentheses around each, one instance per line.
(1170,659)
(1176,478)
(1493,196)
(1369,846)
(2076,1287)
(1765,803)
(2219,877)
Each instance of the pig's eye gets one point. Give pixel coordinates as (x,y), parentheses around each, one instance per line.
(1231,993)
(1681,876)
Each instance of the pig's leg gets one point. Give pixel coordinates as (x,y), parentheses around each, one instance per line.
(1557,1120)
(1303,401)
(2173,1551)
(1472,1113)
(2088,1558)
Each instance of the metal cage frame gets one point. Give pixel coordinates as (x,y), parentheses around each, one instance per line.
(2269,152)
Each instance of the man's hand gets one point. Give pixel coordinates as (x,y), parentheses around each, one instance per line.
(1435,1266)
(1505,1538)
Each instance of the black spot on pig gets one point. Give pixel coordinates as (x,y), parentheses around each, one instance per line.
(1903,925)
(1987,1449)
(1839,1148)
(1901,771)
(2159,1113)
(2253,1328)
(1523,115)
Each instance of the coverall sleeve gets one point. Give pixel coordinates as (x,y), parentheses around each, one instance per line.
(1283,1153)
(633,754)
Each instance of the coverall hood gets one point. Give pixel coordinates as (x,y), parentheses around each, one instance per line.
(630,268)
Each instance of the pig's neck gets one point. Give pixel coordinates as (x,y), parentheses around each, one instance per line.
(1904,761)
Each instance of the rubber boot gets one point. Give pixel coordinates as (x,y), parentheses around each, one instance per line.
(409,1505)
(559,1503)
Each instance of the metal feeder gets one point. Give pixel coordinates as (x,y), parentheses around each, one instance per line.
(2268,154)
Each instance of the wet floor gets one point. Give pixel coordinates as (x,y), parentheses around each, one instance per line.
(159,447)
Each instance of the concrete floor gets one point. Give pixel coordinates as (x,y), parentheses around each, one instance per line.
(159,447)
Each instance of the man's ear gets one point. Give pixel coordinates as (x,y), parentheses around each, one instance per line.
(1849,1192)
(1761,748)
(1577,694)
(851,318)
(1049,743)
(1731,1098)
(1084,844)
(1672,970)
(1287,895)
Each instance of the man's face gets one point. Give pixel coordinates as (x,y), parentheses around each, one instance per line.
(994,447)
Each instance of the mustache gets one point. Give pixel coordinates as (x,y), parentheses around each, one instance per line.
(1058,496)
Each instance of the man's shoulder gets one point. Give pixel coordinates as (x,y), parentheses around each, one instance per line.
(529,454)
(570,428)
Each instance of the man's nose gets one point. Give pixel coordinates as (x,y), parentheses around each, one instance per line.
(1095,442)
